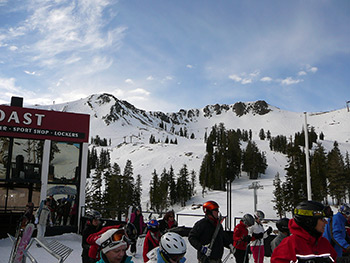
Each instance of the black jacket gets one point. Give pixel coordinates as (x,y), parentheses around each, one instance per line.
(201,234)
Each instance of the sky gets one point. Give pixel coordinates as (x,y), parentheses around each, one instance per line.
(167,55)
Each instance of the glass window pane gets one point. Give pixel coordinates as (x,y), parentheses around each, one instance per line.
(64,162)
(4,151)
(26,159)
(18,198)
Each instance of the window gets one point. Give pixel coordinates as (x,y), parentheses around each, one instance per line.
(64,162)
(26,159)
(4,152)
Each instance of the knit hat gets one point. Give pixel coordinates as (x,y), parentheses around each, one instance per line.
(112,239)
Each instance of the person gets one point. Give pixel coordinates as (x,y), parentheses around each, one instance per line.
(92,225)
(43,215)
(172,249)
(202,233)
(335,231)
(136,218)
(241,238)
(167,222)
(113,245)
(52,206)
(130,233)
(28,216)
(283,232)
(258,235)
(152,238)
(306,243)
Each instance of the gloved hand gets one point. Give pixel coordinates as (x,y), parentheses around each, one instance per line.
(246,238)
(205,250)
(269,231)
(232,249)
(258,235)
(36,221)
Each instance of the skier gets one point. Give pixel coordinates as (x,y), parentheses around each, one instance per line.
(335,230)
(113,244)
(92,225)
(305,244)
(151,239)
(130,232)
(41,219)
(202,235)
(241,238)
(172,249)
(258,235)
(167,222)
(136,219)
(283,232)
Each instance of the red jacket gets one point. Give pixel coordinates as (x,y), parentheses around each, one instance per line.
(94,248)
(301,243)
(150,243)
(239,233)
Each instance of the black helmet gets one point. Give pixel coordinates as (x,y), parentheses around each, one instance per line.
(93,214)
(259,215)
(248,220)
(306,215)
(282,225)
(131,232)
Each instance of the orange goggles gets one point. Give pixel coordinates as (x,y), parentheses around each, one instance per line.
(117,238)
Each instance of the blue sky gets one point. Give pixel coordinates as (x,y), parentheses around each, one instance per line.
(172,54)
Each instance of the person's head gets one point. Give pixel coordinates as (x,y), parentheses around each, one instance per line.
(169,216)
(345,210)
(113,244)
(172,246)
(211,208)
(282,225)
(310,215)
(259,215)
(248,220)
(137,210)
(94,217)
(153,225)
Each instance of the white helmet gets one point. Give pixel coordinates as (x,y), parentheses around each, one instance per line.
(172,244)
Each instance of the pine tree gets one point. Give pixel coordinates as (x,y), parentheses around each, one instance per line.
(335,174)
(183,186)
(279,197)
(97,198)
(318,170)
(127,187)
(172,187)
(113,192)
(137,191)
(262,134)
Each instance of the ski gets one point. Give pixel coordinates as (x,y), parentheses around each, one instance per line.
(22,243)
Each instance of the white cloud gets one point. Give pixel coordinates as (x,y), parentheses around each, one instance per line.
(140,91)
(8,85)
(266,79)
(246,81)
(290,81)
(313,69)
(302,73)
(129,81)
(29,72)
(254,74)
(150,78)
(13,48)
(235,78)
(189,66)
(169,78)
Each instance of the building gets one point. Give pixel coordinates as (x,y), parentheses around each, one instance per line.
(42,153)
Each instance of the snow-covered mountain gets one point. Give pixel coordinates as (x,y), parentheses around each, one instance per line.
(130,129)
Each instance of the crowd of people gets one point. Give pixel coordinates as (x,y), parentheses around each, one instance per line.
(313,234)
(307,237)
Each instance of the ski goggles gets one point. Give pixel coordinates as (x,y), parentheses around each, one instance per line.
(304,212)
(117,239)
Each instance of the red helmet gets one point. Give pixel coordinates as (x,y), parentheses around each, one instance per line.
(210,206)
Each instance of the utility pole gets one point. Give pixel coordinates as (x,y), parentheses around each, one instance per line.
(255,186)
(229,206)
(308,177)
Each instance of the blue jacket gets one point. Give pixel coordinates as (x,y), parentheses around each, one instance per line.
(156,257)
(339,233)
